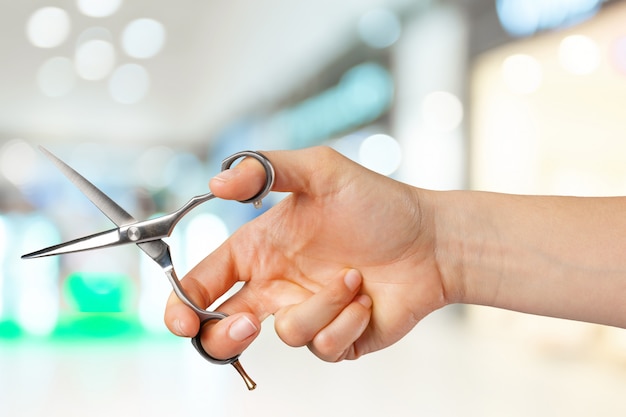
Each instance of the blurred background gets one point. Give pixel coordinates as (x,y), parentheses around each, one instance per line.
(145,98)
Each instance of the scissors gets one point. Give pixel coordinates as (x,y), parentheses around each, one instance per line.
(148,235)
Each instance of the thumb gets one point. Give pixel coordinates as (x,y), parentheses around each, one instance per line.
(294,171)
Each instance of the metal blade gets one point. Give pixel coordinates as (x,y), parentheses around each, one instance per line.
(99,240)
(155,249)
(110,208)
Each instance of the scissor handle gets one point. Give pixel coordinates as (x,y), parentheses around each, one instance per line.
(269,174)
(210,316)
(205,316)
(195,341)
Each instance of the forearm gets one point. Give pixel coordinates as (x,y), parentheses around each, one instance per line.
(555,256)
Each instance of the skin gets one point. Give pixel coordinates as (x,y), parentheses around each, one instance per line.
(350,261)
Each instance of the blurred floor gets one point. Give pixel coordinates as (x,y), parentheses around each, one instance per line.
(443,368)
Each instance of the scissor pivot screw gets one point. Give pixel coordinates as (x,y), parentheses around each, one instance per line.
(134,234)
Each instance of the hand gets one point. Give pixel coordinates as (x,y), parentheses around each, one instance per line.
(338,217)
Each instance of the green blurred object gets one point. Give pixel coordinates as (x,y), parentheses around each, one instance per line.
(98,325)
(9,329)
(102,304)
(99,292)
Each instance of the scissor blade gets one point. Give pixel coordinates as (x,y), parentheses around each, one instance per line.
(155,249)
(98,240)
(110,208)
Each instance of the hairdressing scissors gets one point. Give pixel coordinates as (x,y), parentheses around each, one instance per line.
(148,236)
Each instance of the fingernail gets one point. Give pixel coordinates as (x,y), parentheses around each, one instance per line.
(364,300)
(241,329)
(227,175)
(352,279)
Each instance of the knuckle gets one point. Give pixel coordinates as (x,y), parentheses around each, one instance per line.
(290,332)
(326,348)
(197,292)
(325,151)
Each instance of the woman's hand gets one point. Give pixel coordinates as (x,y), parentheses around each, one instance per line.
(342,229)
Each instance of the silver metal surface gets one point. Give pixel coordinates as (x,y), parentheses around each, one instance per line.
(108,207)
(130,230)
(148,236)
(98,240)
(270,174)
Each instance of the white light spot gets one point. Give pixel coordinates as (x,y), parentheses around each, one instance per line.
(522,74)
(150,166)
(204,234)
(17,162)
(94,59)
(143,38)
(48,27)
(37,313)
(579,55)
(129,84)
(4,237)
(380,153)
(98,8)
(37,294)
(379,28)
(442,111)
(56,77)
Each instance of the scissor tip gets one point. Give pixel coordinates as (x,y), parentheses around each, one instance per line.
(33,255)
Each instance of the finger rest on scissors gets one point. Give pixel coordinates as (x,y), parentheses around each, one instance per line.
(269,174)
(197,343)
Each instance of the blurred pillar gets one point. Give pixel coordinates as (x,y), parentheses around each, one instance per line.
(432,57)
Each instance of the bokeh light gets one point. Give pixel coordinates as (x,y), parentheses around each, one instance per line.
(380,153)
(526,17)
(522,74)
(129,84)
(56,77)
(150,166)
(379,28)
(98,8)
(94,59)
(143,38)
(17,162)
(442,111)
(204,233)
(48,27)
(579,54)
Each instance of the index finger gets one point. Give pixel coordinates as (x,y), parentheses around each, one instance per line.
(182,320)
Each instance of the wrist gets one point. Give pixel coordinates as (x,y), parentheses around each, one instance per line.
(464,249)
(442,211)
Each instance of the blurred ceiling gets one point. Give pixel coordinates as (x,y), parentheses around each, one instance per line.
(219,59)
